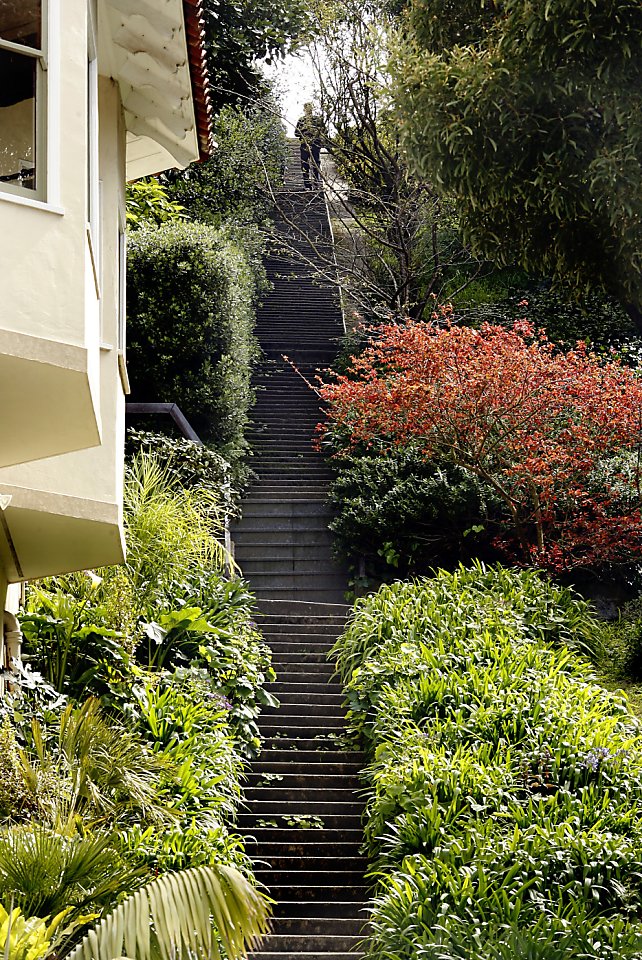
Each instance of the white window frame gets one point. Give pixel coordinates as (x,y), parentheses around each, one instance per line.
(41,145)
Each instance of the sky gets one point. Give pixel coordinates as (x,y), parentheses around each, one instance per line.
(295,83)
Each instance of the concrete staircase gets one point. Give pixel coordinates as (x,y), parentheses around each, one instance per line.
(302,817)
(282,542)
(303,809)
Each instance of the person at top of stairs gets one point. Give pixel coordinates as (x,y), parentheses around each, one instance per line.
(310,130)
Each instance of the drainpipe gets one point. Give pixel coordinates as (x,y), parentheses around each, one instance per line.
(12,643)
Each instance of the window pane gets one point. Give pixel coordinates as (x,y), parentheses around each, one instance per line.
(17,119)
(21,21)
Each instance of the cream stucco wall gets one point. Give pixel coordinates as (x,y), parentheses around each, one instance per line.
(49,372)
(43,293)
(66,511)
(61,377)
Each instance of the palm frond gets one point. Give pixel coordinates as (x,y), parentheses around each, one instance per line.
(96,769)
(181,914)
(44,872)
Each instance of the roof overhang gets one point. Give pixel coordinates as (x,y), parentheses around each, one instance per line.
(154,50)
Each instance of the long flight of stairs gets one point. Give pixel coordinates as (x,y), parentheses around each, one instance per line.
(302,816)
(282,542)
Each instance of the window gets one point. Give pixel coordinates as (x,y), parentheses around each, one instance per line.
(22,96)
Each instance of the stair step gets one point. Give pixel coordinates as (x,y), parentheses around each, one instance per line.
(303,676)
(301,802)
(309,943)
(294,709)
(311,851)
(313,583)
(299,626)
(319,894)
(352,909)
(304,668)
(317,723)
(303,771)
(320,692)
(283,833)
(313,955)
(305,779)
(308,878)
(304,612)
(306,661)
(286,795)
(319,926)
(300,526)
(250,822)
(318,753)
(279,539)
(279,502)
(322,595)
(253,562)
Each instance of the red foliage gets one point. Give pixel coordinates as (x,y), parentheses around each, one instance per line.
(544,428)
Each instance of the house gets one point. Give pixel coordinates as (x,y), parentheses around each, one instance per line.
(92,93)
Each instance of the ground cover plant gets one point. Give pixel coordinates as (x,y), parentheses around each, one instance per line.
(504,782)
(554,434)
(125,740)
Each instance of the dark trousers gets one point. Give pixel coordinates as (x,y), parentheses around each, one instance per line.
(311,162)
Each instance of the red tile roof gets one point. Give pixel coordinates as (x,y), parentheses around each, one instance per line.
(199,74)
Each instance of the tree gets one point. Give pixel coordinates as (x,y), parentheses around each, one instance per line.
(530,114)
(240,33)
(231,185)
(395,244)
(556,435)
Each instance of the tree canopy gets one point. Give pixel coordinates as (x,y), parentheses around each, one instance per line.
(240,32)
(530,114)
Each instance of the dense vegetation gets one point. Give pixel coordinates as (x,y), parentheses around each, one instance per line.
(528,115)
(503,781)
(125,739)
(192,292)
(508,436)
(233,185)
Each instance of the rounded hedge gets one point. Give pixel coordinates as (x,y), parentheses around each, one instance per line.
(191,296)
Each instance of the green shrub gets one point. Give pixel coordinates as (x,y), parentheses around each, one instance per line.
(595,319)
(504,781)
(172,531)
(17,797)
(191,464)
(186,722)
(45,873)
(148,203)
(191,296)
(400,511)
